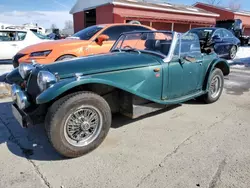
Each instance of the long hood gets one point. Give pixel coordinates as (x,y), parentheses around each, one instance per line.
(50,45)
(102,63)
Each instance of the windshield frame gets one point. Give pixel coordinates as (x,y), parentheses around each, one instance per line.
(165,58)
(39,35)
(102,27)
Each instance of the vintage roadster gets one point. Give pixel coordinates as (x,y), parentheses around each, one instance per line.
(144,72)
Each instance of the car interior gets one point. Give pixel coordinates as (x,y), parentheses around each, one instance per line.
(160,46)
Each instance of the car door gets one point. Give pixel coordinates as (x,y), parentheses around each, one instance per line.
(219,46)
(8,44)
(184,73)
(228,40)
(21,41)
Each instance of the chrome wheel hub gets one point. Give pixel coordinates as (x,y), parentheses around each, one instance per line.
(233,52)
(215,86)
(83,126)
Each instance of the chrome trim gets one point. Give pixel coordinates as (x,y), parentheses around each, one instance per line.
(170,55)
(22,100)
(14,89)
(45,79)
(25,69)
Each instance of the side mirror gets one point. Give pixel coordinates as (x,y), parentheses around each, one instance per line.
(216,38)
(101,38)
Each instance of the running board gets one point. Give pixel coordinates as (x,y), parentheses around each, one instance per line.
(133,106)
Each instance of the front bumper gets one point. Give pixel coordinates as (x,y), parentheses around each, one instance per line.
(22,118)
(26,113)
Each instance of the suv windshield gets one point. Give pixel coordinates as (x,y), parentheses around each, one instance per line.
(43,37)
(88,32)
(158,42)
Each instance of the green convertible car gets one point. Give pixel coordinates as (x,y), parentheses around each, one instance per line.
(144,71)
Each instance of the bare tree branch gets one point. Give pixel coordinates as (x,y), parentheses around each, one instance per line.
(234,6)
(213,2)
(68,24)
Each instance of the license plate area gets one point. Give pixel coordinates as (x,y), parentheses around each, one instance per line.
(18,115)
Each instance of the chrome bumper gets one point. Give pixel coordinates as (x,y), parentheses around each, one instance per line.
(22,118)
(19,97)
(26,117)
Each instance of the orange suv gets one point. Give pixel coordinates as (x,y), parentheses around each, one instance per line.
(95,39)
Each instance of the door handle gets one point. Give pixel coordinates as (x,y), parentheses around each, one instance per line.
(157,69)
(200,62)
(13,44)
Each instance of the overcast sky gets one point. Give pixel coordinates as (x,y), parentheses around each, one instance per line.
(47,12)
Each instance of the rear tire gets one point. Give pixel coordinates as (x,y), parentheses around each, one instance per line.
(232,53)
(78,123)
(216,84)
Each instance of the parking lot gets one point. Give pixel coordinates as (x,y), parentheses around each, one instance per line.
(189,145)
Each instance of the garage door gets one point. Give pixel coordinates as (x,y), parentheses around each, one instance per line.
(162,26)
(247,31)
(181,27)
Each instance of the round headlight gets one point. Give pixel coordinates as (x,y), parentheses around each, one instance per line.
(25,69)
(45,79)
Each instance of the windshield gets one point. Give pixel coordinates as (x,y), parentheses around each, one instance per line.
(88,32)
(203,33)
(43,37)
(159,42)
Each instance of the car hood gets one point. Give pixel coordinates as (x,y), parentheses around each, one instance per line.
(50,45)
(102,63)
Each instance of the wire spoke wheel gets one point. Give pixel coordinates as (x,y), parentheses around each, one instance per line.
(83,126)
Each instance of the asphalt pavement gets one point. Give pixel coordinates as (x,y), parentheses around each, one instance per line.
(189,145)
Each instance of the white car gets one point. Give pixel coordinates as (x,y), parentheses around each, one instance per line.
(13,40)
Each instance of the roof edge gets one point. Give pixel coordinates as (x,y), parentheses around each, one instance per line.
(222,8)
(165,9)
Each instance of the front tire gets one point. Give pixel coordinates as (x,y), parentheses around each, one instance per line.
(216,84)
(78,123)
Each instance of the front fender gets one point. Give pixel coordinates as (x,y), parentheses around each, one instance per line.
(218,63)
(14,77)
(65,85)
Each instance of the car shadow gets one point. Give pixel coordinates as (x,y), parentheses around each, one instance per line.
(120,120)
(32,143)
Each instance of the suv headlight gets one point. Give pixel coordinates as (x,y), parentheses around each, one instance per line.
(40,54)
(25,69)
(45,79)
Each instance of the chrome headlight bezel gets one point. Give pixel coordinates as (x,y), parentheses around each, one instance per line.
(45,79)
(24,70)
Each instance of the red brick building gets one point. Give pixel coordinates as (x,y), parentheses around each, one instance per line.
(226,14)
(158,15)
